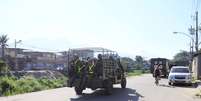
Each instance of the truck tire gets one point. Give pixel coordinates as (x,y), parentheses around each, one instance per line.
(123,83)
(165,75)
(108,87)
(169,83)
(78,90)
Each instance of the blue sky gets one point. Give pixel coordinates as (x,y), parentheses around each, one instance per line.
(131,27)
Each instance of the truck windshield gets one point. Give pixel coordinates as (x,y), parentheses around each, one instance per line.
(180,70)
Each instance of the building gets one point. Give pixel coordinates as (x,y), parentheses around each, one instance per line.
(83,53)
(24,59)
(11,52)
(196,66)
(43,60)
(13,57)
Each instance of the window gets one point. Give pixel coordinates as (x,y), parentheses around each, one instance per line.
(180,70)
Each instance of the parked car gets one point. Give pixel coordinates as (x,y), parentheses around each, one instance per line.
(180,74)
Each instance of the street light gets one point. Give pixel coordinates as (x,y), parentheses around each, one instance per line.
(193,41)
(185,35)
(191,47)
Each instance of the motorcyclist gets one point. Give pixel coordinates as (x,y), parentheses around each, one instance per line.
(157,73)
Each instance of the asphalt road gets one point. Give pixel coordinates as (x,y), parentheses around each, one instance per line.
(141,88)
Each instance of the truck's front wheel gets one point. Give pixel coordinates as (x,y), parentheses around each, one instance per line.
(123,83)
(108,87)
(78,90)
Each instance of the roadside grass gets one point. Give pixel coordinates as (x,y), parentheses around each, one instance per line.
(198,94)
(137,72)
(12,86)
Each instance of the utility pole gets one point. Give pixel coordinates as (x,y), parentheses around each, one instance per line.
(16,64)
(196,32)
(16,67)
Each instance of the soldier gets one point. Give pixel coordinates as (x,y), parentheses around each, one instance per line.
(83,75)
(99,66)
(91,67)
(120,65)
(75,69)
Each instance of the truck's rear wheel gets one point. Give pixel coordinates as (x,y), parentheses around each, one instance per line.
(123,83)
(78,90)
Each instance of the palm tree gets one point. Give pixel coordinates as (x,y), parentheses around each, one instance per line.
(3,43)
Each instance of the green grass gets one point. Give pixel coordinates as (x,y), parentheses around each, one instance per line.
(13,86)
(136,72)
(198,94)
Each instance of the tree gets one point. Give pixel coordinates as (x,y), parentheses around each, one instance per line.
(182,58)
(3,43)
(139,62)
(3,68)
(139,59)
(127,63)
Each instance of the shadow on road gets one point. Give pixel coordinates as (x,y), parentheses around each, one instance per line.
(163,85)
(186,86)
(118,94)
(179,85)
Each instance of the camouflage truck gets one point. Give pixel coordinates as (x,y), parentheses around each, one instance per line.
(164,65)
(106,72)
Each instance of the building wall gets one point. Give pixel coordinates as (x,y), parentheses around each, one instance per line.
(196,66)
(199,67)
(31,59)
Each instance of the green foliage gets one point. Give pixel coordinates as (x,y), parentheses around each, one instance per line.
(139,62)
(129,63)
(3,43)
(3,67)
(198,94)
(137,72)
(9,86)
(139,59)
(125,61)
(12,86)
(182,58)
(3,40)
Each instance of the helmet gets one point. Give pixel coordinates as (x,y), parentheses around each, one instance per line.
(99,56)
(76,56)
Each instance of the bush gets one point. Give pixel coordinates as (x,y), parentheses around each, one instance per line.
(29,84)
(135,72)
(198,94)
(12,86)
(8,86)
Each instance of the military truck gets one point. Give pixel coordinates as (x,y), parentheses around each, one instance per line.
(163,63)
(107,71)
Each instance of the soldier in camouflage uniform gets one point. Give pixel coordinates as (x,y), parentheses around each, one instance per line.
(98,70)
(75,69)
